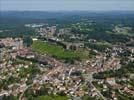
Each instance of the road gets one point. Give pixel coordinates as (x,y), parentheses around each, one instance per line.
(20,98)
(97,91)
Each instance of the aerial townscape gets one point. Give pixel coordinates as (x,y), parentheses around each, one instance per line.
(66,55)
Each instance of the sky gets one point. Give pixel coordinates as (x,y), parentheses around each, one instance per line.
(68,5)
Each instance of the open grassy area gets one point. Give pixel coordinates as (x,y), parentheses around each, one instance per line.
(121,33)
(52,98)
(57,51)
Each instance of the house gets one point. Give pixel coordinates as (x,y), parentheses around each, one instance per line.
(111,81)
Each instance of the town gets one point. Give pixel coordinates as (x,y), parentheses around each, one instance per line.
(67,66)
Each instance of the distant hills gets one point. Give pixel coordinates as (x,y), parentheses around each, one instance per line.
(60,16)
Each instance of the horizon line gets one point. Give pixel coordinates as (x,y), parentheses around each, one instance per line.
(64,10)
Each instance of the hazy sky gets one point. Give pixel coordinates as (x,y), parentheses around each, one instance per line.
(53,5)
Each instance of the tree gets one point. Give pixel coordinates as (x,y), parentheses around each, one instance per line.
(27,41)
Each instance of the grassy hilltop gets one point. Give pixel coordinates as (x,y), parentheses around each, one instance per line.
(57,51)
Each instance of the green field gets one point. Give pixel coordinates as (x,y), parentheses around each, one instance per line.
(57,51)
(52,98)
